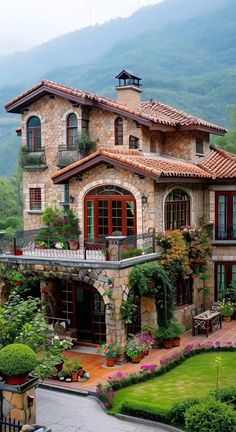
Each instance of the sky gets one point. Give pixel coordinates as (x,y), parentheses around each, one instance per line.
(26,23)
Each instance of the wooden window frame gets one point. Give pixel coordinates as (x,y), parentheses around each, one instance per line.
(32,144)
(228,275)
(184,291)
(109,198)
(176,207)
(230,233)
(70,145)
(119,131)
(35,199)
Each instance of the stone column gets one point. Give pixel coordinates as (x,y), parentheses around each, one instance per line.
(18,402)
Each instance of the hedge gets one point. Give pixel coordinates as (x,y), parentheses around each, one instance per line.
(146,411)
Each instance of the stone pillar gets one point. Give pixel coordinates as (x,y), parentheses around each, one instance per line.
(115,247)
(19,402)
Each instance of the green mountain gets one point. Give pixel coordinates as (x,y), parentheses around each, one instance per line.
(188,59)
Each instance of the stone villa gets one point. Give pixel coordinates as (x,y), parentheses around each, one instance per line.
(153,169)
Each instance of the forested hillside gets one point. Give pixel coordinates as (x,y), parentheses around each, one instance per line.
(189,63)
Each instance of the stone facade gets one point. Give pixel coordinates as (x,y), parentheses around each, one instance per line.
(20,406)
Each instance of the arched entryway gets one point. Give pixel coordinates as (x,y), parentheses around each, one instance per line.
(109,210)
(88,313)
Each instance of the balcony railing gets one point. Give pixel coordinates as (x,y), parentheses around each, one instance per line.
(66,157)
(225,232)
(113,248)
(32,159)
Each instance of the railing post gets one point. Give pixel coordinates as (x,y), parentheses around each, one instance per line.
(85,251)
(14,245)
(153,240)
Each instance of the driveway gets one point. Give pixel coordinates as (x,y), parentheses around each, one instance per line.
(70,413)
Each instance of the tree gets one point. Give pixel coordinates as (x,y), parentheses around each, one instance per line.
(228,141)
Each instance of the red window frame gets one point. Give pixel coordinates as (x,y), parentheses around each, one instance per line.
(118,131)
(34,142)
(228,278)
(109,198)
(35,199)
(229,232)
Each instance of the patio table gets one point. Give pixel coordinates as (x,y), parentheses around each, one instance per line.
(206,321)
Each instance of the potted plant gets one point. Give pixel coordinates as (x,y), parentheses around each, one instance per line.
(110,351)
(178,329)
(75,367)
(166,334)
(42,244)
(226,309)
(134,349)
(16,361)
(146,339)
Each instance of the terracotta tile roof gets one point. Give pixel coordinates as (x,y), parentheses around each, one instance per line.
(220,162)
(155,166)
(180,118)
(153,111)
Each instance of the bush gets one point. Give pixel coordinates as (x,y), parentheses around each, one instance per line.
(178,411)
(17,359)
(210,416)
(226,395)
(146,411)
(132,252)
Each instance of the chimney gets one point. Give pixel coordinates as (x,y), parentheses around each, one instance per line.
(128,90)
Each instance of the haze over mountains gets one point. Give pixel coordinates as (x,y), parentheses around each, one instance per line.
(185,51)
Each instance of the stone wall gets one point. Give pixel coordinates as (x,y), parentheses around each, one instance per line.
(20,406)
(183,145)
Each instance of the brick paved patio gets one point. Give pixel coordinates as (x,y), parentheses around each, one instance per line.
(96,364)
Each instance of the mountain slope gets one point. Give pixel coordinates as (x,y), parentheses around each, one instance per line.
(84,45)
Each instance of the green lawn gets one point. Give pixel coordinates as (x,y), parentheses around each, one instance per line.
(195,377)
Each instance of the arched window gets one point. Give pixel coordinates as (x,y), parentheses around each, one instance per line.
(72,132)
(177,210)
(34,134)
(109,210)
(118,131)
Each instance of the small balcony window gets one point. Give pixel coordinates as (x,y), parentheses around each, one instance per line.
(34,134)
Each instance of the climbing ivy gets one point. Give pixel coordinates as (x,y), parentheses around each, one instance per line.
(150,280)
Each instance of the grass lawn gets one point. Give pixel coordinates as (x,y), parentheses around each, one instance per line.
(195,377)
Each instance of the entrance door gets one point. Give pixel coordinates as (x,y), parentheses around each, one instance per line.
(89,314)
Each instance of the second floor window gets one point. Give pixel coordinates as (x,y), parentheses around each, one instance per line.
(34,134)
(133,142)
(177,210)
(118,131)
(72,132)
(225,211)
(35,199)
(200,146)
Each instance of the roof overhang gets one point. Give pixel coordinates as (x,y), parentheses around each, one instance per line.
(210,130)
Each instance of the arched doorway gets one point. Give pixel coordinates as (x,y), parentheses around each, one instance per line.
(109,209)
(88,313)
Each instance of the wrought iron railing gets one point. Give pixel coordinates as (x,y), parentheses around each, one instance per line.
(225,232)
(114,248)
(10,425)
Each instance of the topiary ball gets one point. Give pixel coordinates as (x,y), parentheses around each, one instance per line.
(17,359)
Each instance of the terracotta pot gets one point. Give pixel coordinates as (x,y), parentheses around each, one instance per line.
(110,362)
(176,342)
(59,366)
(137,359)
(74,376)
(16,379)
(81,372)
(227,318)
(168,344)
(18,251)
(74,245)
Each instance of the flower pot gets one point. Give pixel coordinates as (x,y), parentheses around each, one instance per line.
(110,362)
(74,245)
(226,318)
(176,342)
(168,344)
(18,251)
(59,366)
(74,376)
(137,359)
(16,379)
(146,352)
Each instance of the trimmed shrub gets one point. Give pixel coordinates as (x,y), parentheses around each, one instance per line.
(17,359)
(210,416)
(178,411)
(146,411)
(227,395)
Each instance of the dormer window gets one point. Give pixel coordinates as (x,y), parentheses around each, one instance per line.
(133,142)
(199,147)
(118,131)
(34,134)
(72,132)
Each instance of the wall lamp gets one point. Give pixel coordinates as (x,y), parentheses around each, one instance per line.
(71,199)
(144,199)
